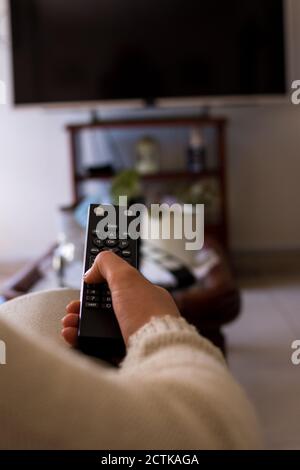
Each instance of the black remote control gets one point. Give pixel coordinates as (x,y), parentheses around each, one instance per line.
(99,333)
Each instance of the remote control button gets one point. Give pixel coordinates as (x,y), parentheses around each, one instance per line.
(100,211)
(92,298)
(95,251)
(106,306)
(124,235)
(123,244)
(97,242)
(111,236)
(92,305)
(126,253)
(100,235)
(92,292)
(111,243)
(106,295)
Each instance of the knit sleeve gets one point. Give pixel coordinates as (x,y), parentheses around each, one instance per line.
(173,391)
(160,336)
(180,370)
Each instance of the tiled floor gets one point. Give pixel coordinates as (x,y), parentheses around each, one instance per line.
(260,357)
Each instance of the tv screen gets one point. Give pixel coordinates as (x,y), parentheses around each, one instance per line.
(105,50)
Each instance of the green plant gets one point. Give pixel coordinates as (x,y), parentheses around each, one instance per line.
(126,183)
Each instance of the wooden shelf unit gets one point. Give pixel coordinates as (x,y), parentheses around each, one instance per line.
(220,230)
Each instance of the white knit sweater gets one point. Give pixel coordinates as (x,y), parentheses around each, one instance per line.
(173,390)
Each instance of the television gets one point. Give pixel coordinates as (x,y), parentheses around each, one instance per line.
(70,51)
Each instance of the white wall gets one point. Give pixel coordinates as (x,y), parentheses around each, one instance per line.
(264,165)
(264,170)
(263,173)
(34,172)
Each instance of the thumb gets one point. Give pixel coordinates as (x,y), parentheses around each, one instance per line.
(104,266)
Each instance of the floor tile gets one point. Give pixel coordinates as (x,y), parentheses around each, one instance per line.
(260,359)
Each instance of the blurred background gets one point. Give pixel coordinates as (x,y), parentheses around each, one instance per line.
(182,101)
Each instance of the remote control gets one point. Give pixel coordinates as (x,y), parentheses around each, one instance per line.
(99,333)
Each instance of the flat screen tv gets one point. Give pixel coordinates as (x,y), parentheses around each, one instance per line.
(67,51)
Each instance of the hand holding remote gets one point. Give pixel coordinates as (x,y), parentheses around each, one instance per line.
(135,300)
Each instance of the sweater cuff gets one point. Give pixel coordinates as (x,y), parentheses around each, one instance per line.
(162,333)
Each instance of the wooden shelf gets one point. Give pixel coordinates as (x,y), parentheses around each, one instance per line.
(164,175)
(219,125)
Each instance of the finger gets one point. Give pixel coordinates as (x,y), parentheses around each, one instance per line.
(73,307)
(105,265)
(70,320)
(70,335)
